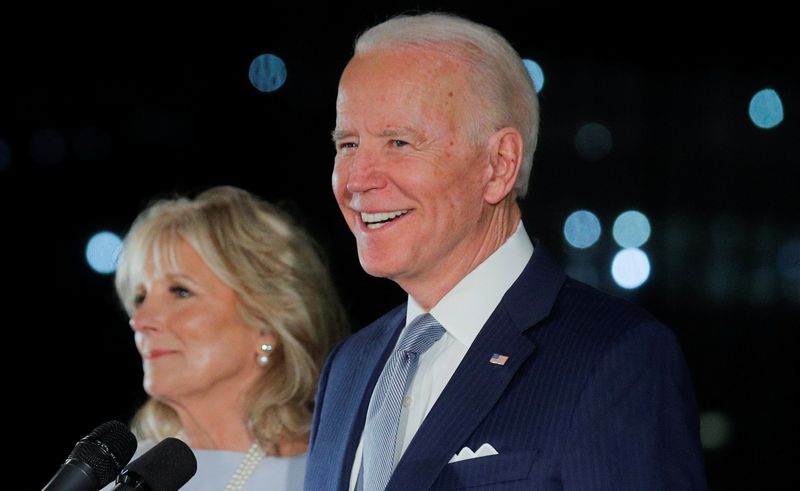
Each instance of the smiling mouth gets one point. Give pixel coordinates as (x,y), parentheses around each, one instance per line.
(377,220)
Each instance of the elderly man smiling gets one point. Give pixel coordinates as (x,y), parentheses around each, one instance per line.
(499,372)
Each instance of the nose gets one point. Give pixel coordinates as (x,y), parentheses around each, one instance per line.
(365,172)
(146,318)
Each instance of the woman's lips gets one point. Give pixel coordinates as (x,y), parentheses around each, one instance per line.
(156,354)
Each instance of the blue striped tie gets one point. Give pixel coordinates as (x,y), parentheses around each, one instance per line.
(383,414)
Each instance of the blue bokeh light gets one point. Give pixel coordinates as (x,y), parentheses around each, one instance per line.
(631,229)
(582,229)
(766,109)
(267,73)
(102,251)
(536,73)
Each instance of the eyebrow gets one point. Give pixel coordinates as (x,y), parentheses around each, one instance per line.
(337,135)
(390,132)
(168,276)
(179,277)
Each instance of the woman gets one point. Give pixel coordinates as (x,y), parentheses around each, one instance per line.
(233,313)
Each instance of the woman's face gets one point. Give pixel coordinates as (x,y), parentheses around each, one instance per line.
(190,334)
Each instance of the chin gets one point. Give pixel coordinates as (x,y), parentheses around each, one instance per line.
(376,267)
(375,271)
(155,389)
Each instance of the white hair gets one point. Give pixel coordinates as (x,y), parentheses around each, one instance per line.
(500,84)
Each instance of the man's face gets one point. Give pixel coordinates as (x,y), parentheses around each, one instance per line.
(408,177)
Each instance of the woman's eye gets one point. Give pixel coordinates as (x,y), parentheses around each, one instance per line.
(180,292)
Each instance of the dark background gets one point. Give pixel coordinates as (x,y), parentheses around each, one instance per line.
(164,106)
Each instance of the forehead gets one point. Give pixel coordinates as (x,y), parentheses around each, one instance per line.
(408,80)
(167,255)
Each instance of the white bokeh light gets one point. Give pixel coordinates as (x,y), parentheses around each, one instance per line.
(630,268)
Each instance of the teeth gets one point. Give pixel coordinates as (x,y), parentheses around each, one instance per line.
(378,220)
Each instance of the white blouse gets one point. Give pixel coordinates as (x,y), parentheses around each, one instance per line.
(216,467)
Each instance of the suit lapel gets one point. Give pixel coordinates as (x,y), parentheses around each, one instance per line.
(477,384)
(474,389)
(367,365)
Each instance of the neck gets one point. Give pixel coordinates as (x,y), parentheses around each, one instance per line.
(214,424)
(290,448)
(493,231)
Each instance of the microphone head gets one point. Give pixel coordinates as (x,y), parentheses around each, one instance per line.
(106,450)
(165,467)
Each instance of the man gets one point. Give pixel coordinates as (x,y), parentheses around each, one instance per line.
(499,372)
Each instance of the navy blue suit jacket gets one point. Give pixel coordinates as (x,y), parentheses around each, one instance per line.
(595,395)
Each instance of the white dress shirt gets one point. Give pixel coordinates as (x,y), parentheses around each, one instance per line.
(462,312)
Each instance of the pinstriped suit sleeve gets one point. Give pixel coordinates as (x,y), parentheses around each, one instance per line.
(320,396)
(635,427)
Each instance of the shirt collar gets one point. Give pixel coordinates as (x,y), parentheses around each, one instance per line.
(465,309)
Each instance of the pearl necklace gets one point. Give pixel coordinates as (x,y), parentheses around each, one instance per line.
(246,468)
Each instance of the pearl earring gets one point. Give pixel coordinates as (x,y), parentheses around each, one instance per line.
(263,359)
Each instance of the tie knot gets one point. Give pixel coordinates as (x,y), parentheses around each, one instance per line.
(420,334)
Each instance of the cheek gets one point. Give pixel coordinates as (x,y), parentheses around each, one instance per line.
(339,181)
(200,334)
(207,355)
(343,197)
(335,179)
(463,201)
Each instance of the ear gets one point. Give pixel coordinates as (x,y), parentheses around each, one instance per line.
(505,159)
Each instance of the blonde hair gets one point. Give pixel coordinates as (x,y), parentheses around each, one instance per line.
(501,87)
(282,285)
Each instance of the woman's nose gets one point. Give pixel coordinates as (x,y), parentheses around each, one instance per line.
(146,317)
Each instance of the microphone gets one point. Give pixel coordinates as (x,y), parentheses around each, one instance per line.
(165,467)
(95,460)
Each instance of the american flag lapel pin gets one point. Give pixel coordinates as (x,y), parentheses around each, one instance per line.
(498,359)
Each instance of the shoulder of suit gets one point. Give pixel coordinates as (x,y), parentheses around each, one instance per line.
(378,327)
(578,300)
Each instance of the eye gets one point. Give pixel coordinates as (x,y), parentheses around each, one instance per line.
(346,147)
(399,143)
(180,291)
(138,299)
